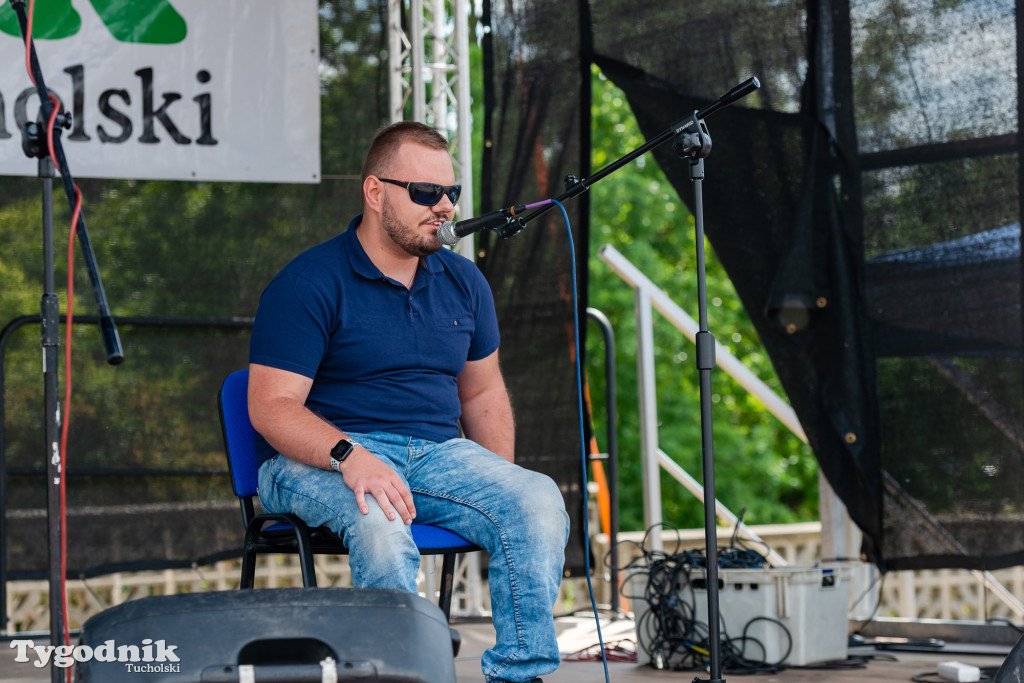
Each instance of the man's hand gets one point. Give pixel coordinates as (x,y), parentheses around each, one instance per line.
(366,473)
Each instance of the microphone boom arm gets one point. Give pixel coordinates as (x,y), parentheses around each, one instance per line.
(682,127)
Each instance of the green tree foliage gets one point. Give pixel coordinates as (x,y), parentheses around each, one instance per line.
(759,464)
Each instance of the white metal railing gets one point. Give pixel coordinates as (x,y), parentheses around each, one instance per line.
(648,296)
(723,513)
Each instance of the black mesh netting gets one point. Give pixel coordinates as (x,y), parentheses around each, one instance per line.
(865,202)
(531,140)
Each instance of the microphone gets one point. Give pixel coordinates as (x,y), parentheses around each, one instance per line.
(451,232)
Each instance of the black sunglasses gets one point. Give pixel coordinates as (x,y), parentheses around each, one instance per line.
(427,194)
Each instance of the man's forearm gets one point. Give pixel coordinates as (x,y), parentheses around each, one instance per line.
(296,431)
(277,410)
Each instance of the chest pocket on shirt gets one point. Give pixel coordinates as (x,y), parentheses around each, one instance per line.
(454,334)
(455,324)
(455,329)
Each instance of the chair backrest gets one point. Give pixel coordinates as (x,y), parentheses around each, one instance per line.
(239,435)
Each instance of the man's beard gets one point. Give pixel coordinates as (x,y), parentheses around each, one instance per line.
(404,236)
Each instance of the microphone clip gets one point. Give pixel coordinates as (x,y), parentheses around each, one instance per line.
(511,228)
(692,140)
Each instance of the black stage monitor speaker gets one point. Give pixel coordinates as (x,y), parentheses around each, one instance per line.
(1012,669)
(269,636)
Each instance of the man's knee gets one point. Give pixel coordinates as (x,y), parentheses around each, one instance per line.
(379,536)
(544,510)
(382,553)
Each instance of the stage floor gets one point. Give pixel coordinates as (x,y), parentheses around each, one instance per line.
(578,634)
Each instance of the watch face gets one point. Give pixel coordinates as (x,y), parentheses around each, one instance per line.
(341,450)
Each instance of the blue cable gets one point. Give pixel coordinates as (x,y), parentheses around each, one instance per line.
(583,446)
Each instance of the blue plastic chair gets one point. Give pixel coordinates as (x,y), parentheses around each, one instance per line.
(286,533)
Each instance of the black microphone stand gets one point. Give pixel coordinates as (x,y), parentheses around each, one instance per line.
(34,144)
(54,461)
(694,144)
(691,141)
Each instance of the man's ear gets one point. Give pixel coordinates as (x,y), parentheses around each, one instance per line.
(373,191)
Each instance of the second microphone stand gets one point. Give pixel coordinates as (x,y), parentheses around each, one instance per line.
(691,141)
(36,145)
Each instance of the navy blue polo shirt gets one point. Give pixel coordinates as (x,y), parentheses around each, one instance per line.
(382,357)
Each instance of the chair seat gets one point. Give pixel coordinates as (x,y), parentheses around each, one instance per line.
(429,539)
(435,538)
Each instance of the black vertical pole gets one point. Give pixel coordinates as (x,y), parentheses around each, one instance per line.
(487,155)
(54,457)
(705,362)
(582,239)
(612,417)
(1019,33)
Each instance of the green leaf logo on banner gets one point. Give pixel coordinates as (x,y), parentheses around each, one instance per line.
(154,22)
(53,20)
(142,21)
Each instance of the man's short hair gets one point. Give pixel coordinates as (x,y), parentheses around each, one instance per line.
(389,139)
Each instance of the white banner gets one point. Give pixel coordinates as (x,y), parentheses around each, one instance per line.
(171,89)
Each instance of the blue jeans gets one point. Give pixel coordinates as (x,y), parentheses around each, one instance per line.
(516,515)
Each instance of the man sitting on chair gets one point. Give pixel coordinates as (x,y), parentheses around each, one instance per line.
(368,353)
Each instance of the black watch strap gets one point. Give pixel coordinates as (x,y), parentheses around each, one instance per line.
(340,452)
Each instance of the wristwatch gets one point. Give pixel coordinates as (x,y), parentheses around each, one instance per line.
(341,450)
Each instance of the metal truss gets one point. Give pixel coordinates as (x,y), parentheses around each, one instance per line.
(428,71)
(428,67)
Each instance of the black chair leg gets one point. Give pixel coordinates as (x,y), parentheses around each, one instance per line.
(308,570)
(447,584)
(305,551)
(252,545)
(248,569)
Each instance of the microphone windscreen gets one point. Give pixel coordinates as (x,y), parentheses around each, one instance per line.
(446,234)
